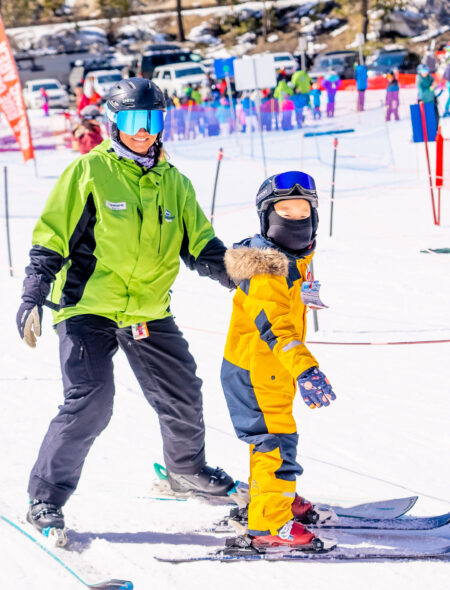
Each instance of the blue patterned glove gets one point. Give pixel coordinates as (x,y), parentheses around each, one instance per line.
(315,388)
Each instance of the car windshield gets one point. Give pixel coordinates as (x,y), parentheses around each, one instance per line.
(282,58)
(327,62)
(188,72)
(105,78)
(391,59)
(46,86)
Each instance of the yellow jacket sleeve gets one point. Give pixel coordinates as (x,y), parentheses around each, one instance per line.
(268,303)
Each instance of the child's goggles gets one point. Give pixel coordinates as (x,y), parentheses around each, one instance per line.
(286,184)
(131,121)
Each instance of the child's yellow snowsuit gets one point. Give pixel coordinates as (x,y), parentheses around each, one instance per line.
(264,355)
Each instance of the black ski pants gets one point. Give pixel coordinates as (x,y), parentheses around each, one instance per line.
(165,370)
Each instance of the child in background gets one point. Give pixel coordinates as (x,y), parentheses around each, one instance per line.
(331,84)
(266,359)
(392,98)
(315,93)
(45,100)
(88,134)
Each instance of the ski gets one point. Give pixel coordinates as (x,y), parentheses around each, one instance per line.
(113,584)
(442,553)
(405,523)
(346,545)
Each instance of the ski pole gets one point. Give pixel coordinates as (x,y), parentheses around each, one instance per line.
(315,318)
(219,160)
(108,585)
(335,146)
(5,178)
(425,139)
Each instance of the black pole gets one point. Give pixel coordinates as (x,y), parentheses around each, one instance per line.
(315,318)
(335,145)
(219,160)
(5,178)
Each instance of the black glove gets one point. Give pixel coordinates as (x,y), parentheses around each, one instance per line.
(29,316)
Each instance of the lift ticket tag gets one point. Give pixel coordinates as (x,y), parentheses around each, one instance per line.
(140,331)
(310,295)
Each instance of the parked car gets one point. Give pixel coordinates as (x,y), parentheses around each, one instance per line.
(285,61)
(404,61)
(104,80)
(57,95)
(80,68)
(175,77)
(342,62)
(161,57)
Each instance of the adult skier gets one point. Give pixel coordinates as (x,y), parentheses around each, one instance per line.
(109,240)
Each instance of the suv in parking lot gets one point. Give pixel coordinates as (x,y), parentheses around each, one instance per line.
(341,62)
(175,77)
(402,60)
(165,56)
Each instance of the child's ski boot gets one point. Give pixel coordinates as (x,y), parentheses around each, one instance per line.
(48,520)
(292,537)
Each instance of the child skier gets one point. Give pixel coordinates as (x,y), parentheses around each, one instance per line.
(266,358)
(315,93)
(331,84)
(392,99)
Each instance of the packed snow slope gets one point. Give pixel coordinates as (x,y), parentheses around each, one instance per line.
(386,435)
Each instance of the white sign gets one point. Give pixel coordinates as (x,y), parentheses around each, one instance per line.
(256,71)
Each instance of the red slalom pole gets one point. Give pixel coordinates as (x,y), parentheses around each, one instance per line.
(219,161)
(439,170)
(425,139)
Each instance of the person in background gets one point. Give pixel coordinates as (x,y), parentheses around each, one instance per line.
(287,109)
(87,133)
(392,97)
(316,94)
(45,100)
(282,90)
(302,82)
(331,84)
(425,90)
(361,85)
(446,77)
(89,96)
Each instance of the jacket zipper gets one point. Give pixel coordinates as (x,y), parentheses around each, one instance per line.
(160,217)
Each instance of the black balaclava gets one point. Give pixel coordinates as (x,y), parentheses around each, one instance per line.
(295,235)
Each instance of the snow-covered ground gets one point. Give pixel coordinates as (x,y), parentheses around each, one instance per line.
(387,434)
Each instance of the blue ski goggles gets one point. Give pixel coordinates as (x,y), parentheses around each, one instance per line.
(131,121)
(288,185)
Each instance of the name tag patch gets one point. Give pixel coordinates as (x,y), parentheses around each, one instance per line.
(139,331)
(116,206)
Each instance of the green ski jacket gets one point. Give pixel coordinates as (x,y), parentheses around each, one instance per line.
(111,236)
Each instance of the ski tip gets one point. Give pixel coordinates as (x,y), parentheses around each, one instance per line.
(112,585)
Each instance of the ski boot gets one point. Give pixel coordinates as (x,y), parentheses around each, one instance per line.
(207,482)
(49,520)
(292,536)
(307,513)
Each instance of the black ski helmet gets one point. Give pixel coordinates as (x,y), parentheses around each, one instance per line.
(266,197)
(136,94)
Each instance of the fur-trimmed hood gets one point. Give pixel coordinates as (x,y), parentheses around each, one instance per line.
(244,262)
